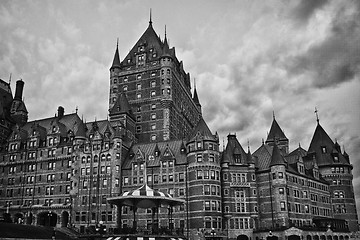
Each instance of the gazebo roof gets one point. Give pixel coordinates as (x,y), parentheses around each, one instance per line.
(145,197)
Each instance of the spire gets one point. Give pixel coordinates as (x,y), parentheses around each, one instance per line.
(116,61)
(275,132)
(196,98)
(273,114)
(317,116)
(150,21)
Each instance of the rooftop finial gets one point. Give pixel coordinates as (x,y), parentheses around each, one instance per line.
(150,21)
(165,30)
(76,109)
(248,145)
(273,114)
(117,42)
(317,116)
(194,82)
(10,79)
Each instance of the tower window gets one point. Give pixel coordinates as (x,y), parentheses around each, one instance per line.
(153,83)
(153,137)
(138,96)
(138,86)
(153,106)
(323,149)
(125,88)
(153,93)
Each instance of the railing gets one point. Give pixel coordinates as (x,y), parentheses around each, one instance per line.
(146,231)
(239,184)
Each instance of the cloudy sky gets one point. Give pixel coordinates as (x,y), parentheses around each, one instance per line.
(249,58)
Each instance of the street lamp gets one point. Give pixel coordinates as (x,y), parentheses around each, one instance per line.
(213,233)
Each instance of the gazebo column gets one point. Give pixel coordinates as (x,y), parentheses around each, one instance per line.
(134,221)
(171,226)
(155,224)
(118,219)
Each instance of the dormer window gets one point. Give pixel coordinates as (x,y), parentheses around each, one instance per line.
(54,129)
(237,158)
(198,145)
(323,149)
(126,78)
(336,158)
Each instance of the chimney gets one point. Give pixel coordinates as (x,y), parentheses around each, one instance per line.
(60,112)
(19,89)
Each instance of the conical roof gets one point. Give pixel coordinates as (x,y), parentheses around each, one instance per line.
(276,132)
(116,61)
(196,98)
(203,130)
(121,105)
(150,39)
(323,147)
(276,157)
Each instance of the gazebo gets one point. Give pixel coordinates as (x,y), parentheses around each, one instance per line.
(146,197)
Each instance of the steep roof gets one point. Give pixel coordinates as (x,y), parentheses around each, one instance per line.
(148,38)
(148,150)
(116,61)
(202,130)
(196,98)
(121,105)
(67,122)
(233,148)
(276,157)
(263,156)
(320,141)
(295,155)
(275,132)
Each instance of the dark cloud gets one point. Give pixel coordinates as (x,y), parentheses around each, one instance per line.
(305,9)
(336,59)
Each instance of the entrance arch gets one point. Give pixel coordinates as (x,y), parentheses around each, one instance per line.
(47,219)
(272,238)
(294,237)
(18,218)
(64,219)
(242,237)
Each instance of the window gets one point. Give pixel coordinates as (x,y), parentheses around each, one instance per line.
(153,106)
(153,137)
(282,206)
(153,126)
(206,189)
(138,96)
(281,175)
(199,174)
(281,190)
(199,157)
(153,93)
(153,83)
(181,177)
(125,88)
(138,86)
(207,205)
(323,149)
(153,116)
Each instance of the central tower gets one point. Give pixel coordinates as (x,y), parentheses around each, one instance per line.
(157,89)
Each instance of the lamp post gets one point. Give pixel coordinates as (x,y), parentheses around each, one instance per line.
(213,233)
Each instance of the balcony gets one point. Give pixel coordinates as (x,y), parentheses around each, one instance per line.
(239,184)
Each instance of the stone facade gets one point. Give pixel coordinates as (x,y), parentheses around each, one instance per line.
(59,171)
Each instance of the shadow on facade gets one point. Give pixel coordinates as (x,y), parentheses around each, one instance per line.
(47,219)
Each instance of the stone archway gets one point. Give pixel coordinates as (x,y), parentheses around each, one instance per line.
(18,218)
(294,237)
(47,219)
(64,219)
(272,238)
(242,237)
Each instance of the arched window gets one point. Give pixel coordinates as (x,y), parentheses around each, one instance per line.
(88,159)
(103,158)
(108,157)
(207,221)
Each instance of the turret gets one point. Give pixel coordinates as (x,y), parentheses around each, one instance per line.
(18,109)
